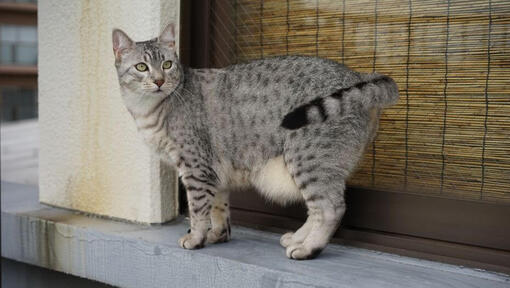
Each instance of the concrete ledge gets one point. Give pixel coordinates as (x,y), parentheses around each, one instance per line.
(129,255)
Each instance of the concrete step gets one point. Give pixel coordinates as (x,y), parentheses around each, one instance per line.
(132,255)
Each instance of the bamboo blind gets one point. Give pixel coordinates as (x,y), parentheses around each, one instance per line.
(449,135)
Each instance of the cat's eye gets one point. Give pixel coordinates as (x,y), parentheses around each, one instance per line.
(167,64)
(142,67)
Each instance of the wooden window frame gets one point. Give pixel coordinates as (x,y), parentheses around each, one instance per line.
(18,14)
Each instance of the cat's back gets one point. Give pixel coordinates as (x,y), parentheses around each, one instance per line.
(286,63)
(290,66)
(291,80)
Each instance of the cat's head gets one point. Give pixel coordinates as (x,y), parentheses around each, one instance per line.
(147,70)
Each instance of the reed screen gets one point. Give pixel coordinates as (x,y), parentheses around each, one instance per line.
(449,135)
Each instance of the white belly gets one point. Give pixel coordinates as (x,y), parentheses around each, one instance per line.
(274,181)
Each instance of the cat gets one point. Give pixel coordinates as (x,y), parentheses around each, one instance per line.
(294,127)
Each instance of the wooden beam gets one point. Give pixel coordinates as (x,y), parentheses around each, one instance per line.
(25,76)
(452,220)
(18,13)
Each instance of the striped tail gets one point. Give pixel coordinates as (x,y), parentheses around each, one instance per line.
(377,91)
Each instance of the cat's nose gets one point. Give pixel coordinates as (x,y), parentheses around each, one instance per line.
(159,82)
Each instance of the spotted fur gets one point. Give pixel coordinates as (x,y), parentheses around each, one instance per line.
(375,91)
(233,127)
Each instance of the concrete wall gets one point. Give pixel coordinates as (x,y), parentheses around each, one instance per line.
(91,157)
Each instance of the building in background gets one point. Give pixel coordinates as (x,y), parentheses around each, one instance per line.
(18,59)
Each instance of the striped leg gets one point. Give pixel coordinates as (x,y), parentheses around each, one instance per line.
(326,208)
(200,192)
(220,218)
(319,159)
(320,180)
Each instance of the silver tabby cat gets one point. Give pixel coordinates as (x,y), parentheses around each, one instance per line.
(293,127)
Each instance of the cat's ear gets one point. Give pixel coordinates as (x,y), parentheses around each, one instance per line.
(121,42)
(167,37)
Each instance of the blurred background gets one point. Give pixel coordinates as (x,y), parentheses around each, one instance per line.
(18,91)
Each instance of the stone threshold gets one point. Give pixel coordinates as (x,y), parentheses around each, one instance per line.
(134,255)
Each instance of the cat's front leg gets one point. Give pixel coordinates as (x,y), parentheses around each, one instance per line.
(200,191)
(220,218)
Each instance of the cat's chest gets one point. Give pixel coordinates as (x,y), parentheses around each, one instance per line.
(162,145)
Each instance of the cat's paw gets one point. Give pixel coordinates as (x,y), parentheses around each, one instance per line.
(301,252)
(218,236)
(192,241)
(286,239)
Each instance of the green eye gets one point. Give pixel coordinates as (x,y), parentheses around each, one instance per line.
(167,64)
(141,67)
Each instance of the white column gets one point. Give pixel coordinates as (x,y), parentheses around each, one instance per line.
(91,157)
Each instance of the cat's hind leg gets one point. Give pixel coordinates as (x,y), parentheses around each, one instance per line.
(220,218)
(325,210)
(297,237)
(323,194)
(319,159)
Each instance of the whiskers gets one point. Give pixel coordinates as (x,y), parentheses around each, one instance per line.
(184,103)
(149,87)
